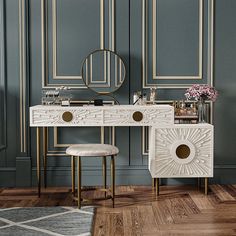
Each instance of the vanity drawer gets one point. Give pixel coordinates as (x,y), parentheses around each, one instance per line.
(139,116)
(66,117)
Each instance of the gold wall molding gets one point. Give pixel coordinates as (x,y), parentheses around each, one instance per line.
(112,25)
(3,78)
(145,45)
(44,46)
(22,76)
(54,30)
(112,136)
(200,49)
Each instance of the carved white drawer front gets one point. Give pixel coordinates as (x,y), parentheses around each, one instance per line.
(57,116)
(122,115)
(139,116)
(181,151)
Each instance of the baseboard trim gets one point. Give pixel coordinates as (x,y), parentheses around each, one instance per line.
(223,166)
(7,177)
(23,171)
(125,175)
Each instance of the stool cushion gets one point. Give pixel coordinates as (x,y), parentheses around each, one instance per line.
(91,150)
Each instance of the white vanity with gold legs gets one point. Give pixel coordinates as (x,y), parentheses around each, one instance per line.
(175,151)
(97,116)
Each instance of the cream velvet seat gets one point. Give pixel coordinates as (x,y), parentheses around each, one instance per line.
(92,150)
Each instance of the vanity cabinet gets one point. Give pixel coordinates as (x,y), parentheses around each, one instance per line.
(182,150)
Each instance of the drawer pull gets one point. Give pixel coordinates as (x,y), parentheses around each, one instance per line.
(137,116)
(67,116)
(183,151)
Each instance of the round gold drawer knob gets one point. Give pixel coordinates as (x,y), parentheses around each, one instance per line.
(67,116)
(183,151)
(137,116)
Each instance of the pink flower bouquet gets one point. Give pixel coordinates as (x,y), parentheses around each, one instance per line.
(201,92)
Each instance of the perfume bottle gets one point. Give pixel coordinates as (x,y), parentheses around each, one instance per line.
(153,95)
(144,99)
(194,109)
(182,108)
(135,97)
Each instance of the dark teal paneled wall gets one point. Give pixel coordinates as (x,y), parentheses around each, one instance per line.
(32,31)
(225,70)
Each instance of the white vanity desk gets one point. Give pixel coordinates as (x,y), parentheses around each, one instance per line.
(175,150)
(97,116)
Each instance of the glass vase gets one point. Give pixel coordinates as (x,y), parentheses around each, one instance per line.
(202,111)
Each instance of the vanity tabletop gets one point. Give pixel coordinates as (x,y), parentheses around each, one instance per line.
(51,107)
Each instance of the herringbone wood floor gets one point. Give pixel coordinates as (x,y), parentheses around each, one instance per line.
(179,210)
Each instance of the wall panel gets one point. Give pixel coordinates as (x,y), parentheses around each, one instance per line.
(70,31)
(164,43)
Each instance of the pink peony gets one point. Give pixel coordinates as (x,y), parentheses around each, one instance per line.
(201,91)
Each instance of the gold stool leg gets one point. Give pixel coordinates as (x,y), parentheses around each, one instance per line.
(104,169)
(79,181)
(73,174)
(153,182)
(45,147)
(113,180)
(157,186)
(206,186)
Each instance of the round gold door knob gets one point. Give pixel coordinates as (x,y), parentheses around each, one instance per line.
(137,116)
(67,116)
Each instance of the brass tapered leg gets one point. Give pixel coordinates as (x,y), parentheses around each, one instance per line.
(206,186)
(113,136)
(104,170)
(73,174)
(113,180)
(45,148)
(79,181)
(153,182)
(38,161)
(157,186)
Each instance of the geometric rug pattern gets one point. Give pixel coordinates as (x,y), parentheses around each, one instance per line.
(45,221)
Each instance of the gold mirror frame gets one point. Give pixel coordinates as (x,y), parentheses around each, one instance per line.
(82,71)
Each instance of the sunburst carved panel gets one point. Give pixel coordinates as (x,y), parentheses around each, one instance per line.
(181,151)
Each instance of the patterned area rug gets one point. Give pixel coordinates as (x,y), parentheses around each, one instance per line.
(45,221)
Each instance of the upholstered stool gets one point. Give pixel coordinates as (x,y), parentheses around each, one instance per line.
(92,150)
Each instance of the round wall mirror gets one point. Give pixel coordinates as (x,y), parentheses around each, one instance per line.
(103,71)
